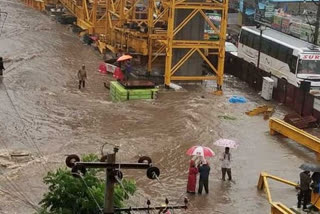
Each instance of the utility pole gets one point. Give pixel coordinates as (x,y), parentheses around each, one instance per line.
(316,33)
(114,175)
(109,191)
(262,28)
(260,44)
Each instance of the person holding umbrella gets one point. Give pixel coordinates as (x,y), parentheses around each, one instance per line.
(204,171)
(128,69)
(305,193)
(204,168)
(127,64)
(226,164)
(226,157)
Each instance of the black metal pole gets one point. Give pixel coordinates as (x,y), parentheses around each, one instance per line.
(149,208)
(102,165)
(260,44)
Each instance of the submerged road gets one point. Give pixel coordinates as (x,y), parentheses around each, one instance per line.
(43,113)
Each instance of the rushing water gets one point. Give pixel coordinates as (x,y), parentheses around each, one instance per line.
(42,112)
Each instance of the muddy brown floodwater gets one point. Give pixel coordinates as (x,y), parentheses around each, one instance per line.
(43,113)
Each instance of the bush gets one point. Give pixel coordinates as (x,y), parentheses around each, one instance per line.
(69,195)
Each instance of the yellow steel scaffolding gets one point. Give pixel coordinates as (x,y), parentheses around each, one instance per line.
(149,28)
(91,15)
(199,46)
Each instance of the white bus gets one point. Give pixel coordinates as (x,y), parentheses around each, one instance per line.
(283,55)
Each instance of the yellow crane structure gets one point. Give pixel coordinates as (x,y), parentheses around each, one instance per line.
(91,15)
(149,28)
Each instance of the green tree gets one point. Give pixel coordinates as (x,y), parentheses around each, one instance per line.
(70,195)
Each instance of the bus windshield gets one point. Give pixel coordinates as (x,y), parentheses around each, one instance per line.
(308,68)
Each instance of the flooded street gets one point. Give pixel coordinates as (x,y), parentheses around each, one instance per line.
(43,113)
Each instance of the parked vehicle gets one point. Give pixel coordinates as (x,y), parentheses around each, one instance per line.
(283,55)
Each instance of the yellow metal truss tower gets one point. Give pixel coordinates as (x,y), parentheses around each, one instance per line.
(113,21)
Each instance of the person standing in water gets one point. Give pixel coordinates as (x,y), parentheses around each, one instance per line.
(226,164)
(192,177)
(204,171)
(82,76)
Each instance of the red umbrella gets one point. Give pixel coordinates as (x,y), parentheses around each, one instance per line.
(200,151)
(123,58)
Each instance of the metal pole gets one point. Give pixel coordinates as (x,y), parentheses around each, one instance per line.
(221,56)
(316,33)
(170,38)
(260,43)
(109,190)
(150,31)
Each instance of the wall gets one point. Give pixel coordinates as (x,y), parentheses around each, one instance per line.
(291,96)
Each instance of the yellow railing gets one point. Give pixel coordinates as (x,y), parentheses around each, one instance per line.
(276,207)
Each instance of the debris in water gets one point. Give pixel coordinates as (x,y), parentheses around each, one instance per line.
(227,117)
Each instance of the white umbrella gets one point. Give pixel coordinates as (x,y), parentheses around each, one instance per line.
(226,143)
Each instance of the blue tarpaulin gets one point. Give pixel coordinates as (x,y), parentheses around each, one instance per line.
(237,99)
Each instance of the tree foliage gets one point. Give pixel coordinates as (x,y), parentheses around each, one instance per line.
(70,195)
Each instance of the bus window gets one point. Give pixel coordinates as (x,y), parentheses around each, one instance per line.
(256,42)
(243,37)
(293,64)
(274,49)
(308,67)
(249,42)
(283,53)
(265,47)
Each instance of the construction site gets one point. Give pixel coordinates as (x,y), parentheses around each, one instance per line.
(45,118)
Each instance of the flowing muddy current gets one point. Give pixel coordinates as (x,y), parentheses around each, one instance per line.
(44,117)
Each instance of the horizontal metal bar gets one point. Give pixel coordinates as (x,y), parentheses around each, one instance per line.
(192,78)
(149,208)
(277,207)
(193,44)
(203,8)
(113,165)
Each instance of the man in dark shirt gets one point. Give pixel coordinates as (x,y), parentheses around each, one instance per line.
(304,194)
(204,171)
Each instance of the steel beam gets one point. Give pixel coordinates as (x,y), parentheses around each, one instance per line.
(298,135)
(279,208)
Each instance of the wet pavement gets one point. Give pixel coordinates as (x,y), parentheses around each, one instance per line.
(43,113)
